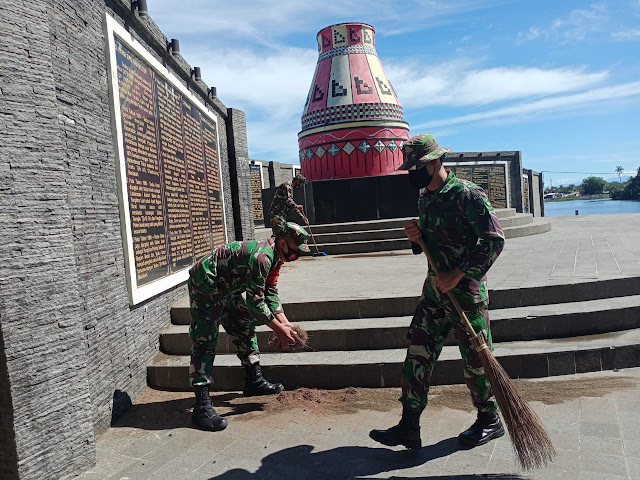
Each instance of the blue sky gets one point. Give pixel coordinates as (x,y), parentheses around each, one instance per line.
(559,81)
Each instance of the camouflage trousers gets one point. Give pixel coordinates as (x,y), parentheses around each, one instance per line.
(208,311)
(429,328)
(278,222)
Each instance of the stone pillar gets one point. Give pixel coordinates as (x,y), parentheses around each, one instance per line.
(240,176)
(272,175)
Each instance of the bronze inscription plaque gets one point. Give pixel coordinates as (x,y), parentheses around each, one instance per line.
(492,178)
(256,191)
(172,167)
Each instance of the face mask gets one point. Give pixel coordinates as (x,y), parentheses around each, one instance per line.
(420,178)
(291,254)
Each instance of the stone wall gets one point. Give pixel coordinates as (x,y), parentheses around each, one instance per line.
(240,175)
(276,173)
(73,351)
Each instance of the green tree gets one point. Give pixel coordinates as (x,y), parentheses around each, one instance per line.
(631,189)
(619,171)
(593,185)
(613,188)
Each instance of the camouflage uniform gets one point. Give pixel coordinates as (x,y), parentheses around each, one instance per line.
(460,231)
(215,284)
(282,203)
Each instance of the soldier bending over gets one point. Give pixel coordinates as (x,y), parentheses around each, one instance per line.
(215,284)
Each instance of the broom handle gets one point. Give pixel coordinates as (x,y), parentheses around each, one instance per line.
(465,321)
(312,237)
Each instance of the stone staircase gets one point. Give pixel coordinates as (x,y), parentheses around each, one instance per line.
(539,331)
(384,235)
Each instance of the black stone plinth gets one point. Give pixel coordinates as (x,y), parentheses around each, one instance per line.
(352,199)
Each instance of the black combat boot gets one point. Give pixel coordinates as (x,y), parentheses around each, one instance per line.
(204,415)
(255,384)
(485,428)
(406,433)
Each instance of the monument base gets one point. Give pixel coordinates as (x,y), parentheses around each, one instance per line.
(500,174)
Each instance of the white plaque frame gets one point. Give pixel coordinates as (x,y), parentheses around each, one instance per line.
(112,28)
(487,162)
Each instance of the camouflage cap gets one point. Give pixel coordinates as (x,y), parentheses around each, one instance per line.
(300,177)
(299,234)
(420,150)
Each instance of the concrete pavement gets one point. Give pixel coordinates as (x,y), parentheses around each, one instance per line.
(593,420)
(577,249)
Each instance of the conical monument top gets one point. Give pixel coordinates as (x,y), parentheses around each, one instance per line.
(352,121)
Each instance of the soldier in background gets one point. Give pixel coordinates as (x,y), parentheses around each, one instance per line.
(283,202)
(215,284)
(464,238)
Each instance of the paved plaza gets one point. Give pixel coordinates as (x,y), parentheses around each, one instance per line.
(593,420)
(577,249)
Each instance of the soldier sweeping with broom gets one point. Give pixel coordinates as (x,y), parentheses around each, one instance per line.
(462,237)
(283,203)
(215,285)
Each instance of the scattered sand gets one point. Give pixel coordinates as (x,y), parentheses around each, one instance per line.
(158,409)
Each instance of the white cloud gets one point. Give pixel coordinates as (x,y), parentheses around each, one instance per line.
(458,84)
(262,21)
(275,83)
(576,26)
(565,102)
(272,87)
(626,35)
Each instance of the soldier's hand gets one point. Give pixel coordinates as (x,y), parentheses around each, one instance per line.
(412,231)
(446,281)
(284,337)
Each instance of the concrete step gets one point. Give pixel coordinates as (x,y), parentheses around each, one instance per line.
(537,226)
(402,306)
(508,224)
(507,325)
(383,240)
(361,236)
(364,246)
(516,220)
(381,368)
(389,223)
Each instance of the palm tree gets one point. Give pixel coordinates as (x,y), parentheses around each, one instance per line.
(619,171)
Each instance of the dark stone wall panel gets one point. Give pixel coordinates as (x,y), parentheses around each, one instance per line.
(72,351)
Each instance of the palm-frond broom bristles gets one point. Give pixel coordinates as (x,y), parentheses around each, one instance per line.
(530,440)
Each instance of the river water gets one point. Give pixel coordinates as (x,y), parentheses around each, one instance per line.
(590,207)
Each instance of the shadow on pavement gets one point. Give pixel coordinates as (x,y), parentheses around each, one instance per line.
(177,413)
(302,463)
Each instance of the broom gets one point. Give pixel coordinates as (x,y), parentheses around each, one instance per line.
(529,438)
(318,252)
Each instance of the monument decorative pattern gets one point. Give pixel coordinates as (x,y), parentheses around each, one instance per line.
(341,113)
(347,50)
(351,106)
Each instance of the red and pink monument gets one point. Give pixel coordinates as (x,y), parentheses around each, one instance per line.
(352,125)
